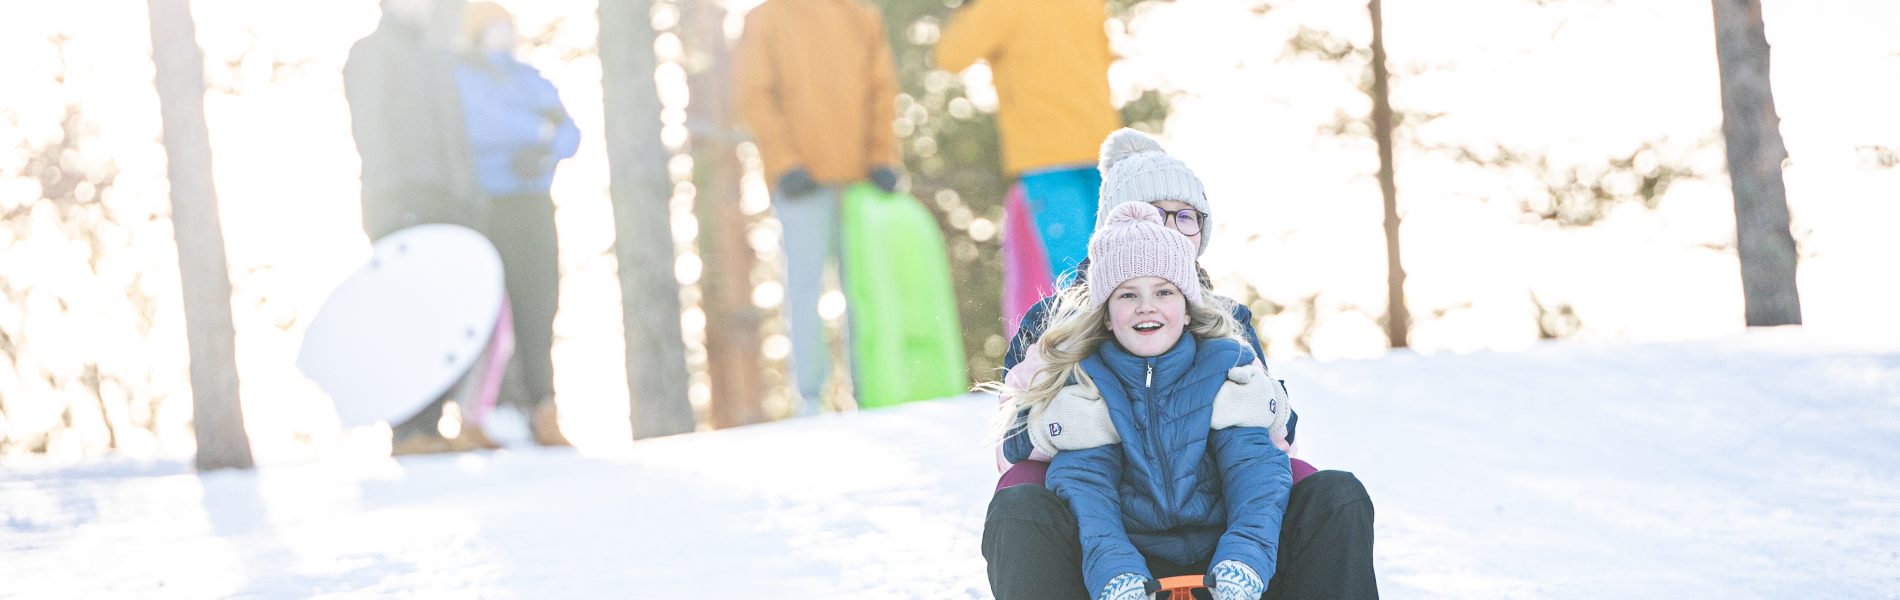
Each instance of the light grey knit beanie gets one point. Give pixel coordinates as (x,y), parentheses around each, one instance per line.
(1135,243)
(1136,169)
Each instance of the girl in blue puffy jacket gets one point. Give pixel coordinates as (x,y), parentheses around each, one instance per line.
(1165,473)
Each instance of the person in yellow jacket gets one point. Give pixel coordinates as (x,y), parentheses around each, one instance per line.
(818,90)
(1049,60)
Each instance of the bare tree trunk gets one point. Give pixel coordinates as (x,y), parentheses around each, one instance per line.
(732,322)
(217,416)
(643,242)
(1755,154)
(1397,319)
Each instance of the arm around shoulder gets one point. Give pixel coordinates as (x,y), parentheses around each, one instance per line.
(1251,398)
(1077,419)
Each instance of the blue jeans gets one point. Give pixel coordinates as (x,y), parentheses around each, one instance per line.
(810,239)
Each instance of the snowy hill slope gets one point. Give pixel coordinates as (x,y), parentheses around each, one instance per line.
(1765,466)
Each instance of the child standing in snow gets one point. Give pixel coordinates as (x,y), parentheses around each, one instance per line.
(1162,477)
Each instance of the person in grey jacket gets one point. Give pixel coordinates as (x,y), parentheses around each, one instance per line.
(406,118)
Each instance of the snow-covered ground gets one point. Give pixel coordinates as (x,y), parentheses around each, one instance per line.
(1762,466)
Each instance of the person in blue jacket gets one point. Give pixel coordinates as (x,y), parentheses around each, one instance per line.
(1134,168)
(1029,533)
(517,130)
(1162,477)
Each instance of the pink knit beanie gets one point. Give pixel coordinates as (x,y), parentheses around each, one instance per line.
(1134,242)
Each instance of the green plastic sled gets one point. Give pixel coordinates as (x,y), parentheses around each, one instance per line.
(906,341)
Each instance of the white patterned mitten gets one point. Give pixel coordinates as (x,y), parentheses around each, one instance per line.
(1251,398)
(1126,586)
(1076,419)
(1234,580)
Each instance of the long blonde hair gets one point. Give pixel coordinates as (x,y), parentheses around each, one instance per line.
(1077,328)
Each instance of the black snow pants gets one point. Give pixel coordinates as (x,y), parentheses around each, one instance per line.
(1033,547)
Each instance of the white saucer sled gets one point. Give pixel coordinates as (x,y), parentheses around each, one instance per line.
(408,326)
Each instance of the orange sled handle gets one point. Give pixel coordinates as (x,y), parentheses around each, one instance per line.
(1181,587)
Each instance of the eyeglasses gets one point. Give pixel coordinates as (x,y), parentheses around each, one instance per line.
(1187,220)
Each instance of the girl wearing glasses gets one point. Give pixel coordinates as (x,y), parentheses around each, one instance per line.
(1134,168)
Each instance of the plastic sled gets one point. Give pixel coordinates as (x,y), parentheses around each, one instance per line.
(906,341)
(418,320)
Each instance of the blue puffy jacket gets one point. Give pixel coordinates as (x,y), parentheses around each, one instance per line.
(517,127)
(1016,448)
(1173,489)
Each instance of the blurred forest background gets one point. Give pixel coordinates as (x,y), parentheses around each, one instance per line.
(1558,167)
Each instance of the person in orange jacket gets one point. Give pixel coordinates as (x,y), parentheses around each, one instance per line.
(816,86)
(1049,60)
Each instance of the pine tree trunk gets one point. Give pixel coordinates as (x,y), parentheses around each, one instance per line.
(643,232)
(1755,154)
(732,322)
(1398,320)
(217,416)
